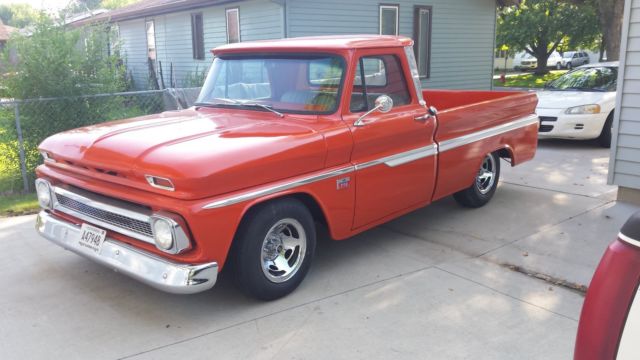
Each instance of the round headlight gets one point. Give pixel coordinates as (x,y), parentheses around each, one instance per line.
(163,233)
(43,191)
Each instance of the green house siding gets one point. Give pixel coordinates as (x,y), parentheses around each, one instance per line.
(259,20)
(624,167)
(462,33)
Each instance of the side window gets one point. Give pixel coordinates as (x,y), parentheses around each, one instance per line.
(375,76)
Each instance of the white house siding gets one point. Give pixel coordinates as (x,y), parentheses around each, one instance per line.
(134,50)
(259,19)
(624,167)
(463,33)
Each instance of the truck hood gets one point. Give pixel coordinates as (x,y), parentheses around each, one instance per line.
(549,99)
(203,152)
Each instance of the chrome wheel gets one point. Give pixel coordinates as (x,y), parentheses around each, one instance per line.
(283,250)
(486,175)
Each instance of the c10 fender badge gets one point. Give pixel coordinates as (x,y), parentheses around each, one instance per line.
(343,183)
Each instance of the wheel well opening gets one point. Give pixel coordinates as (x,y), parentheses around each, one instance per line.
(505,154)
(313,206)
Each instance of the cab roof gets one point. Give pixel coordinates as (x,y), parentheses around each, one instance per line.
(317,43)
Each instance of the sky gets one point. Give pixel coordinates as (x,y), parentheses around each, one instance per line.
(40,4)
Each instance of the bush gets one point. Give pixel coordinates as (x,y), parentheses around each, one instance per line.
(59,67)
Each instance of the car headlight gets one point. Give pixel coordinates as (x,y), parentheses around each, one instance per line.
(163,232)
(43,191)
(583,109)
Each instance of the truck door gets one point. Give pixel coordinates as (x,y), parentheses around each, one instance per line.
(394,152)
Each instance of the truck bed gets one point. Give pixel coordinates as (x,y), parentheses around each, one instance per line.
(480,115)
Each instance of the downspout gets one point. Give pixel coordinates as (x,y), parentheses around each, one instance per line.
(493,50)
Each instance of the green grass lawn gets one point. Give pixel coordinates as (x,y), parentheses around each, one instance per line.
(11,205)
(529,80)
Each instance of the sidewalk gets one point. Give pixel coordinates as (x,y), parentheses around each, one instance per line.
(441,283)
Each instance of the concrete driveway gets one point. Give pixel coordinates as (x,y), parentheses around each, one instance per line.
(444,282)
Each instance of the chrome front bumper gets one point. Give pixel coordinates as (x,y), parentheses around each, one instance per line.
(141,265)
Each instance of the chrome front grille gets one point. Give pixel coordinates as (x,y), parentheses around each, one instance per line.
(106,216)
(122,217)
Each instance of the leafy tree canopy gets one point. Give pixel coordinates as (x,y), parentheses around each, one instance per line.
(19,15)
(61,61)
(541,27)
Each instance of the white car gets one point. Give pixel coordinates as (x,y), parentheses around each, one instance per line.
(579,104)
(524,61)
(555,60)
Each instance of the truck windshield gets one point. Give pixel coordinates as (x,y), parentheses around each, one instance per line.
(288,83)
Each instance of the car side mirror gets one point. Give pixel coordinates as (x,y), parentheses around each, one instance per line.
(383,104)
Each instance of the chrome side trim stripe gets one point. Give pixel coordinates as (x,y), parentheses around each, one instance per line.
(391,161)
(401,158)
(487,133)
(274,189)
(628,240)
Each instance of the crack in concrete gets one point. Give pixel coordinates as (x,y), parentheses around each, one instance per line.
(571,286)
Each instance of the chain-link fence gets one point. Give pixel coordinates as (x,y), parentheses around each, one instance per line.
(25,123)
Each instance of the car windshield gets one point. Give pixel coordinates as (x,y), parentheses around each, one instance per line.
(568,54)
(587,79)
(305,84)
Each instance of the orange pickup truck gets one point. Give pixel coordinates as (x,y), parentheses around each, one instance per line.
(285,136)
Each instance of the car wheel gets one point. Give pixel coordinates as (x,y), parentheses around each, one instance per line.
(275,245)
(605,136)
(484,186)
(559,66)
(569,66)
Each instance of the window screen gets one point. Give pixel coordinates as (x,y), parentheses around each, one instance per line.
(388,20)
(197,36)
(233,26)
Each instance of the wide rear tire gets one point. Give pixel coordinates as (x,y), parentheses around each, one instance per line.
(484,185)
(274,248)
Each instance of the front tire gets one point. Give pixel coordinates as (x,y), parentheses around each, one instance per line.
(605,136)
(558,66)
(275,245)
(569,66)
(484,185)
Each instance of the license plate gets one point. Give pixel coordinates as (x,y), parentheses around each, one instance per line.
(91,237)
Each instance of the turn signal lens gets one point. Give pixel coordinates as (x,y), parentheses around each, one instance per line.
(160,182)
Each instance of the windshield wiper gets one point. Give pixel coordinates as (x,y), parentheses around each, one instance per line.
(238,103)
(266,107)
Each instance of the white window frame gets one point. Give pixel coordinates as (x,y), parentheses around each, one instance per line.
(226,19)
(394,7)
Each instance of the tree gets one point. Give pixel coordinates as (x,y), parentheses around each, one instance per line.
(19,15)
(610,13)
(540,27)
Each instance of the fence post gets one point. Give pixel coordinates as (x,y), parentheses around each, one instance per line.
(23,162)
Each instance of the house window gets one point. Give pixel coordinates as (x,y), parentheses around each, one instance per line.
(233,25)
(197,36)
(151,40)
(422,37)
(389,19)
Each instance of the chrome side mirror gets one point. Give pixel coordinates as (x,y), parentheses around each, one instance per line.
(383,104)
